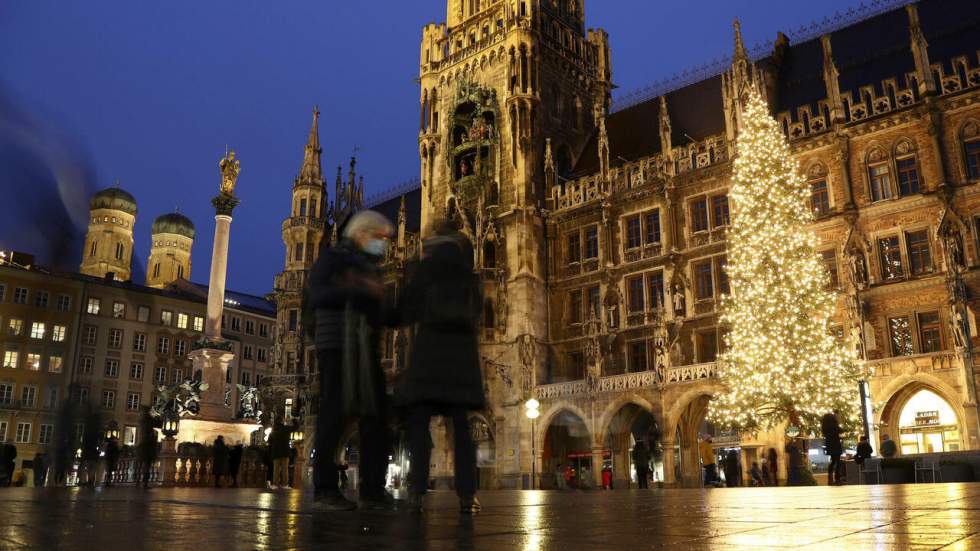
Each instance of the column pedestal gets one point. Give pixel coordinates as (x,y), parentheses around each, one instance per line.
(213,365)
(168,462)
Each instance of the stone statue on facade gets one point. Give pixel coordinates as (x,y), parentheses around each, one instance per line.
(678,298)
(230,167)
(959,328)
(527,351)
(248,403)
(954,249)
(857,268)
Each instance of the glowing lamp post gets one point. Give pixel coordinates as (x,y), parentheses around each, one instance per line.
(532,413)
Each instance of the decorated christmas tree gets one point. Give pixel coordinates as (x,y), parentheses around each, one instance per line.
(782,363)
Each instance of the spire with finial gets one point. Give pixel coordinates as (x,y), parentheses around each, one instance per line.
(739,45)
(310,172)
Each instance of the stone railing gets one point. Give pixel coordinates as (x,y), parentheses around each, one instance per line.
(628,381)
(296,221)
(192,468)
(688,373)
(936,361)
(576,193)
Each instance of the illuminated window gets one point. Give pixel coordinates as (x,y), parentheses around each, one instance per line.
(37,330)
(881,185)
(143,314)
(891,258)
(118,310)
(58,333)
(182,320)
(10,358)
(14,327)
(198,323)
(900,332)
(166,317)
(94,306)
(55,364)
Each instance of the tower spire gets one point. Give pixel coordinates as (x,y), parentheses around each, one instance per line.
(739,45)
(310,171)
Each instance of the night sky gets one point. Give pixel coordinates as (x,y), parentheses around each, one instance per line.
(149,93)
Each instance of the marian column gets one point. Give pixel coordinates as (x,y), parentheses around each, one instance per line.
(212,354)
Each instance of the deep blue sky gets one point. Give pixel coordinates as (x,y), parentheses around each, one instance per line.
(150,93)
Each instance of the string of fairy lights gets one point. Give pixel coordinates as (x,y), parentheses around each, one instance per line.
(782,364)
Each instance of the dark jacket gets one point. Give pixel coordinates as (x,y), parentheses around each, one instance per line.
(279,442)
(889,448)
(864,451)
(235,458)
(148,446)
(831,435)
(220,457)
(443,297)
(111,454)
(348,317)
(733,469)
(641,458)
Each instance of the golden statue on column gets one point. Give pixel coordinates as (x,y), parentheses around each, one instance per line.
(230,167)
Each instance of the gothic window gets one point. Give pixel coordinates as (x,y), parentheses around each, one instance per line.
(930,332)
(119,251)
(920,261)
(900,332)
(706,344)
(489,255)
(879,176)
(908,176)
(593,302)
(699,215)
(719,211)
(971,149)
(819,197)
(574,247)
(633,232)
(704,283)
(721,273)
(313,207)
(637,359)
(634,294)
(651,227)
(592,242)
(299,252)
(655,290)
(302,207)
(180,271)
(891,258)
(829,259)
(575,306)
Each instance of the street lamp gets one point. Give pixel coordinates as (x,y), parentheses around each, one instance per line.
(296,435)
(171,425)
(532,413)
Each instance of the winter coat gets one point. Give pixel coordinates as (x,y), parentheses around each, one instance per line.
(148,447)
(279,443)
(219,466)
(864,451)
(641,458)
(831,435)
(443,298)
(235,458)
(733,469)
(348,318)
(111,455)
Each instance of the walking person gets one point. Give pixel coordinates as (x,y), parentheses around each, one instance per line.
(346,293)
(219,460)
(641,462)
(833,447)
(91,439)
(708,461)
(235,462)
(444,299)
(8,458)
(756,475)
(147,449)
(279,450)
(111,460)
(40,466)
(773,467)
(766,479)
(733,470)
(794,458)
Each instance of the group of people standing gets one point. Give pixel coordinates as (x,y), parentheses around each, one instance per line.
(441,298)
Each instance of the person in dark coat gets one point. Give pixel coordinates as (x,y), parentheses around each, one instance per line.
(833,447)
(148,448)
(444,299)
(773,467)
(91,441)
(279,449)
(864,451)
(111,460)
(235,463)
(641,462)
(794,458)
(888,446)
(8,457)
(733,470)
(40,466)
(346,292)
(219,461)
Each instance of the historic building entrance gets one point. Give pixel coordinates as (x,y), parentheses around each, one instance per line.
(567,442)
(928,424)
(631,424)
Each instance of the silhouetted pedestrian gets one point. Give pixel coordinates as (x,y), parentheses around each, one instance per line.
(708,461)
(888,446)
(864,451)
(773,467)
(40,466)
(91,442)
(111,460)
(147,449)
(641,462)
(733,469)
(279,448)
(833,446)
(756,475)
(235,463)
(219,461)
(443,297)
(8,457)
(794,463)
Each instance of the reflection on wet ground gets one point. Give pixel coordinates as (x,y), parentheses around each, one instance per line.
(924,516)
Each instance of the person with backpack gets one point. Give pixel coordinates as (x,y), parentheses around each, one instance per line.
(443,298)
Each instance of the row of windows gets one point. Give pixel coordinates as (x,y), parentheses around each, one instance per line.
(39,330)
(180,320)
(114,340)
(22,434)
(33,360)
(133,400)
(42,298)
(28,395)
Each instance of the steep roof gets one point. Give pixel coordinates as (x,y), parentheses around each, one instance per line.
(390,206)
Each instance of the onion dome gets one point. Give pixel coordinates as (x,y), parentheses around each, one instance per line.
(173,222)
(113,198)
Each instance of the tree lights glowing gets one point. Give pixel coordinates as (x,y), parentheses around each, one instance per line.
(782,363)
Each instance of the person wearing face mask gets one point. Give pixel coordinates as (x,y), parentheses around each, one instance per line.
(345,291)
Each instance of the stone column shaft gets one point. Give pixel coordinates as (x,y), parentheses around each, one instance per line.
(219,270)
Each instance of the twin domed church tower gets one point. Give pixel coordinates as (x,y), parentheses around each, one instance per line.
(108,248)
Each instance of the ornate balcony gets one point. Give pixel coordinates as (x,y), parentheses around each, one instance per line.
(935,361)
(309,221)
(628,381)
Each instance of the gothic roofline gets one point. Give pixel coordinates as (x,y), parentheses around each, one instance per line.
(716,67)
(392,192)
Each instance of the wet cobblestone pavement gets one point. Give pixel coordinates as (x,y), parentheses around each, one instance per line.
(924,516)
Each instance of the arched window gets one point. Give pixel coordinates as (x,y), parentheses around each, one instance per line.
(489,255)
(819,192)
(879,175)
(971,149)
(907,168)
(180,271)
